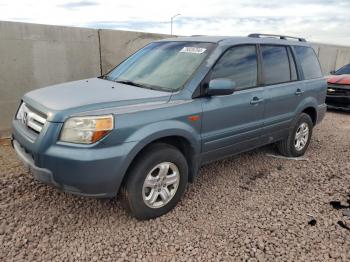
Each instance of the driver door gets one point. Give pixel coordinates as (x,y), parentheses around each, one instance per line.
(234,123)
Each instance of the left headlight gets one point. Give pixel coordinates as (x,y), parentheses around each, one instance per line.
(86,130)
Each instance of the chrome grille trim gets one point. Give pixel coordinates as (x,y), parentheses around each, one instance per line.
(339,86)
(30,118)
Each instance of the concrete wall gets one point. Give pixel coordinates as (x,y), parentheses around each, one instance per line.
(332,56)
(117,45)
(34,56)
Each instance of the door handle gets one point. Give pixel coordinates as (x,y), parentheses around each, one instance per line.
(256,100)
(298,92)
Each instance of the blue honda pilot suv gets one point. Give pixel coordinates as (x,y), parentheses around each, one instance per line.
(146,127)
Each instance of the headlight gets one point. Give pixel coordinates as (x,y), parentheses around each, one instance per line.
(86,130)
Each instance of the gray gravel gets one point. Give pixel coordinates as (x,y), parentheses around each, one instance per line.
(251,207)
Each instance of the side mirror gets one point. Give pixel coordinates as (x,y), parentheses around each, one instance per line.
(332,72)
(221,86)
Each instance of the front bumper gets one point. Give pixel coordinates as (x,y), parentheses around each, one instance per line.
(41,174)
(338,102)
(95,171)
(338,97)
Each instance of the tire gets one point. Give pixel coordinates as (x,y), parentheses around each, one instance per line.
(289,147)
(152,165)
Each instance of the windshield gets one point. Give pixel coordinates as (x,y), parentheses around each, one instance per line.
(344,70)
(161,65)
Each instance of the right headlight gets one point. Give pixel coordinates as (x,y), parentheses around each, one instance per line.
(87,129)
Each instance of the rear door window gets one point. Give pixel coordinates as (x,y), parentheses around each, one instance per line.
(308,61)
(276,64)
(239,64)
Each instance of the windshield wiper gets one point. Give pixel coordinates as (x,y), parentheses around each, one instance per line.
(128,82)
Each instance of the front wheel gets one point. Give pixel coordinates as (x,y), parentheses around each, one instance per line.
(299,138)
(156,181)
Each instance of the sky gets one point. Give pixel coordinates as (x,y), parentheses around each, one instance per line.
(326,21)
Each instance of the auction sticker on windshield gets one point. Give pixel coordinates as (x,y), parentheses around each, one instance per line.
(193,50)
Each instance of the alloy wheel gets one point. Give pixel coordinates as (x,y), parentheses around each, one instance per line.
(160,185)
(301,136)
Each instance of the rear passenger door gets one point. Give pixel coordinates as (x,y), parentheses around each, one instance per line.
(315,86)
(282,91)
(233,123)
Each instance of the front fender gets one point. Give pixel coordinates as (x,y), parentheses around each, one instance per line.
(158,130)
(152,132)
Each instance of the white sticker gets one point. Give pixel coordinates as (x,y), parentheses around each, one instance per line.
(193,50)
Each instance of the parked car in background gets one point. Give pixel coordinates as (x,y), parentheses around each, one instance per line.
(147,126)
(338,92)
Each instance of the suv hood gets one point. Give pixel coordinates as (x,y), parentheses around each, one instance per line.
(89,94)
(339,79)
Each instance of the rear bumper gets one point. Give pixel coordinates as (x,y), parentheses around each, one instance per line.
(321,112)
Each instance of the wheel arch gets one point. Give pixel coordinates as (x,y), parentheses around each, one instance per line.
(312,112)
(186,144)
(181,143)
(308,106)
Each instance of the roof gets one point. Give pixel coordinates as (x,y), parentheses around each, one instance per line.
(233,40)
(199,38)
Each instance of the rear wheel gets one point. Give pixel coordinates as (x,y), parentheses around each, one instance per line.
(156,181)
(299,138)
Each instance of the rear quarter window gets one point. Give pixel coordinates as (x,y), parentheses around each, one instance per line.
(308,61)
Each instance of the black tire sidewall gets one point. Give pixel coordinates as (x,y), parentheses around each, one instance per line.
(153,156)
(304,118)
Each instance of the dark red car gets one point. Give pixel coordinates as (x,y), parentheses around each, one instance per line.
(338,93)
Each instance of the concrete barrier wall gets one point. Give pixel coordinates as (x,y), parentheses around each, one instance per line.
(332,56)
(34,56)
(116,45)
(343,57)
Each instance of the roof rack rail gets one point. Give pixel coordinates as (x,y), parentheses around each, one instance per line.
(283,37)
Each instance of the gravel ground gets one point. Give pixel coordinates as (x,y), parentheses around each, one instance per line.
(252,207)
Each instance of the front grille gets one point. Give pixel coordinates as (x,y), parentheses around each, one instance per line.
(338,90)
(31,118)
